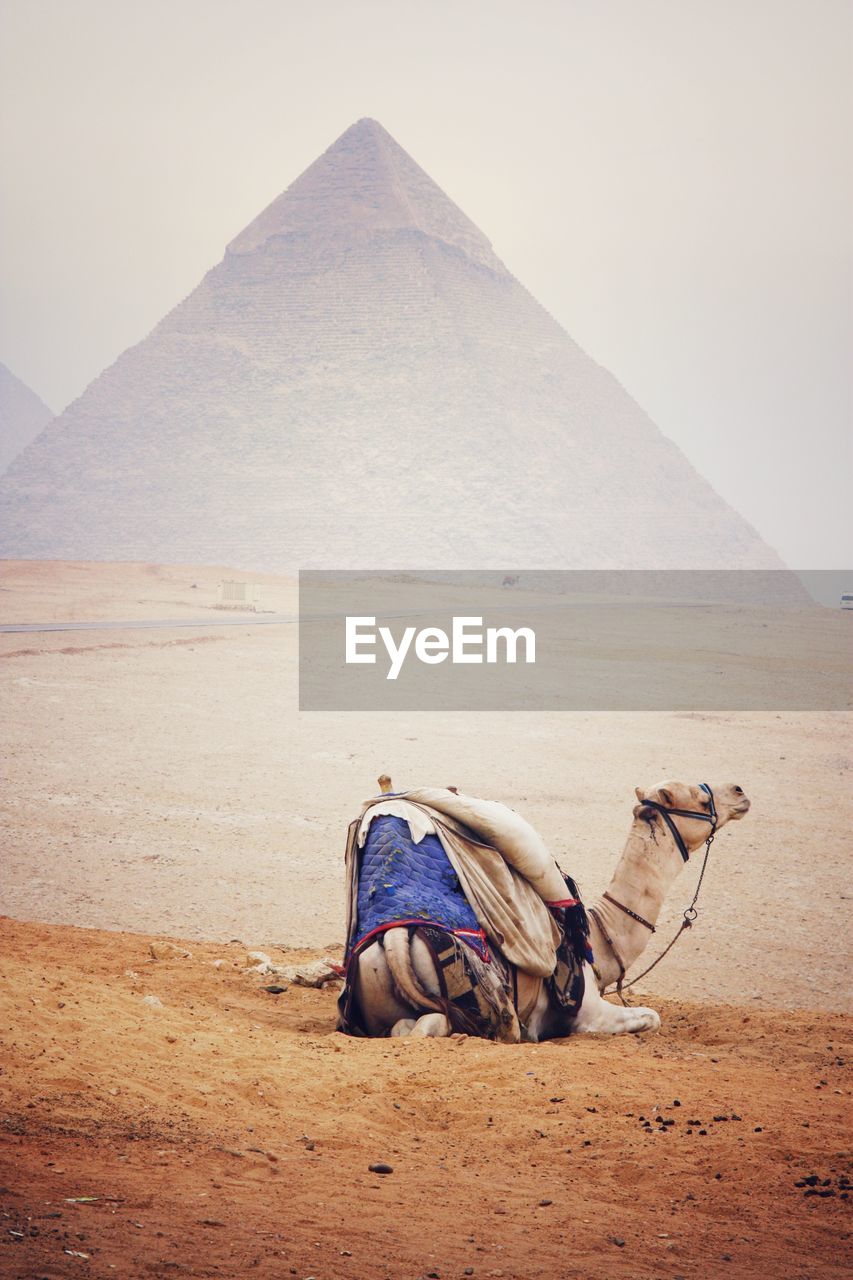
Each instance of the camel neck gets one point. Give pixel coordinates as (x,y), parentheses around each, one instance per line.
(644,874)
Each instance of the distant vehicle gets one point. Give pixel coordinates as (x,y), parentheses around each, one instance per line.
(847,600)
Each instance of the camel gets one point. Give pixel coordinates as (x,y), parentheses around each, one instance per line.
(394,980)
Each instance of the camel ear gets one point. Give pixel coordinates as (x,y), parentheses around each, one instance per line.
(666,797)
(640,794)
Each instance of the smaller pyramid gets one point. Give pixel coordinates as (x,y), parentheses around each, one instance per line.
(22,416)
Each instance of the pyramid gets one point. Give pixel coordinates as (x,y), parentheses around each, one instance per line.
(22,416)
(361,383)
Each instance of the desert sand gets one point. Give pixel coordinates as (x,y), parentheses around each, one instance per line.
(229,1132)
(163,783)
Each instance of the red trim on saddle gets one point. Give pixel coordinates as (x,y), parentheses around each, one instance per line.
(467,935)
(564,902)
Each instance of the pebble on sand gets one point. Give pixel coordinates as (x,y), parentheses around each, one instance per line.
(162,950)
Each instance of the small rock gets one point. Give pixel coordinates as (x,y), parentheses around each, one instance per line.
(544,1203)
(380,1167)
(314,973)
(275,990)
(618,1241)
(153,1002)
(162,950)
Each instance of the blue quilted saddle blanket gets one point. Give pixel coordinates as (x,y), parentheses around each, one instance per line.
(401,882)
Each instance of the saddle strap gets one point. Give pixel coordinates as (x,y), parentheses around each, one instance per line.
(527,990)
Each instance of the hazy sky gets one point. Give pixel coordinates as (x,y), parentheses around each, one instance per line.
(671,178)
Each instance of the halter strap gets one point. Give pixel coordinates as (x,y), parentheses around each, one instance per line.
(628,912)
(686,813)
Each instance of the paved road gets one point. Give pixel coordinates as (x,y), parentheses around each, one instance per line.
(147,624)
(250,619)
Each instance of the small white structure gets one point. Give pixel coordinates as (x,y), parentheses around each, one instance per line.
(847,600)
(239,595)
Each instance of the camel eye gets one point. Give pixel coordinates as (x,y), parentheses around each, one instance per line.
(738,791)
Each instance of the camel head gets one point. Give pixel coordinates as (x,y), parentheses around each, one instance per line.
(729,800)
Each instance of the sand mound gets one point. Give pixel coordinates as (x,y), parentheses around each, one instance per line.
(167,1117)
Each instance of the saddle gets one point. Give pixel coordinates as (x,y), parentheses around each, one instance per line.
(412,862)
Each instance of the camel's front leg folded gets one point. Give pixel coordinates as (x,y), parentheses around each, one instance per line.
(598,1016)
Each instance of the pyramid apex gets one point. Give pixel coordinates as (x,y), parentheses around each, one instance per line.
(366,130)
(364,184)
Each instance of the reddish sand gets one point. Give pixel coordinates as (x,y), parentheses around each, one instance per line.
(228,1132)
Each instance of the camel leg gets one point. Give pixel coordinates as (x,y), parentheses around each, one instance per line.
(403,1028)
(598,1016)
(431,1024)
(374,990)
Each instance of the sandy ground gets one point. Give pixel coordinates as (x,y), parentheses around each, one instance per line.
(164,783)
(229,1132)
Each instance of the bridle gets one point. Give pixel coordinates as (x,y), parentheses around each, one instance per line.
(687,813)
(690,912)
